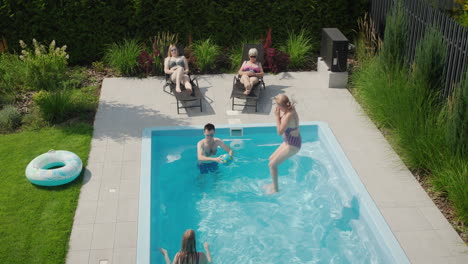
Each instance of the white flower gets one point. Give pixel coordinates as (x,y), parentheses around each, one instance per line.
(22,44)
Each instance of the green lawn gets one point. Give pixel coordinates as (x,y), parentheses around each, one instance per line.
(35,222)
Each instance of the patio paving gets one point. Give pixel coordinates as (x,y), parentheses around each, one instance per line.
(105,226)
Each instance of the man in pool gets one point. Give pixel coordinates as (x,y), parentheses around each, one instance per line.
(206,150)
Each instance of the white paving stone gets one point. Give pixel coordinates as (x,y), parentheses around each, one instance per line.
(103,236)
(125,256)
(81,237)
(107,211)
(126,235)
(78,257)
(101,256)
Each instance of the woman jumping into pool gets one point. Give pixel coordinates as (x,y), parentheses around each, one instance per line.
(188,251)
(287,125)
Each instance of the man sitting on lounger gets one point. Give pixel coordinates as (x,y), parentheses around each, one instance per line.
(206,149)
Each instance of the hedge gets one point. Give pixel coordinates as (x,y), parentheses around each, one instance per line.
(87,26)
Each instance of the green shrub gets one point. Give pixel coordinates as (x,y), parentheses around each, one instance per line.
(74,78)
(84,100)
(98,66)
(236,57)
(33,120)
(206,52)
(158,65)
(461,14)
(112,21)
(123,56)
(429,63)
(10,78)
(55,106)
(10,118)
(44,67)
(298,46)
(394,46)
(457,127)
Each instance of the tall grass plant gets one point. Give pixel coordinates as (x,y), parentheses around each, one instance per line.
(206,53)
(429,63)
(163,40)
(55,106)
(399,100)
(298,46)
(393,50)
(123,56)
(457,129)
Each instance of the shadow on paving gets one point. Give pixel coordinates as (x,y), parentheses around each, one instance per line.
(195,111)
(265,103)
(119,121)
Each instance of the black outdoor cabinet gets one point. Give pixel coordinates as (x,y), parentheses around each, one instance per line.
(334,49)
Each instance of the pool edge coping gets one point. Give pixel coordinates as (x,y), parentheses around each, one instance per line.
(144,210)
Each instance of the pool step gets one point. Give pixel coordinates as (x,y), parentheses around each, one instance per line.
(237,132)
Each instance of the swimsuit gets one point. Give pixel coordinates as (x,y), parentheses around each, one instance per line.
(207,167)
(174,62)
(255,68)
(290,139)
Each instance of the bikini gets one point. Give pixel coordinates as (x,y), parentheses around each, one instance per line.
(255,68)
(174,62)
(290,139)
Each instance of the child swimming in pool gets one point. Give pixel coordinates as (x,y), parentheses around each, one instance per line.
(207,148)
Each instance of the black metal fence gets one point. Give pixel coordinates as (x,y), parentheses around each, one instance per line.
(420,17)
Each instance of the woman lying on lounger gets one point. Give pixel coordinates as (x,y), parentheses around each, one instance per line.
(250,71)
(177,67)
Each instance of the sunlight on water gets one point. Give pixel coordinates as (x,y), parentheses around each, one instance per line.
(313,219)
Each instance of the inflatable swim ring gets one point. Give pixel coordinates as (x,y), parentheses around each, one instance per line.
(54,168)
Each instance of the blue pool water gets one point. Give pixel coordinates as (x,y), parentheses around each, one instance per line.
(322,213)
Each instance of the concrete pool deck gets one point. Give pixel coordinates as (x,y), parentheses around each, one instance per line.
(105,227)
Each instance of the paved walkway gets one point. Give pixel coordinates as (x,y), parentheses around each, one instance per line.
(105,226)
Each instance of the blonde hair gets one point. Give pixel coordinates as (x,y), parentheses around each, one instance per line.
(169,54)
(253,52)
(188,248)
(283,100)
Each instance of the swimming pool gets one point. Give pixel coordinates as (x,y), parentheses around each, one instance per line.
(322,214)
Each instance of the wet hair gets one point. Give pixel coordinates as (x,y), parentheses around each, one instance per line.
(253,52)
(209,127)
(188,248)
(283,100)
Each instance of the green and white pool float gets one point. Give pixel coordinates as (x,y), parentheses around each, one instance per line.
(53,168)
